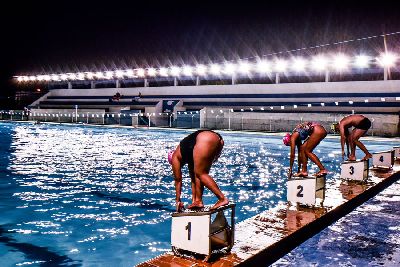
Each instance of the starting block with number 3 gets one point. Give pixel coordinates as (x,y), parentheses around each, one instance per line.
(384,159)
(354,170)
(306,190)
(202,232)
(396,152)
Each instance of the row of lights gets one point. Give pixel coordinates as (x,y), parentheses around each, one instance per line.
(319,63)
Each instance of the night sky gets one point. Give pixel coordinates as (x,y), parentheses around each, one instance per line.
(62,36)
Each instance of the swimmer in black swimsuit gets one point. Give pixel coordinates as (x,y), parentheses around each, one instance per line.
(361,125)
(199,150)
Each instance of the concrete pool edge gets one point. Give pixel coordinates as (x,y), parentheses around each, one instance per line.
(274,252)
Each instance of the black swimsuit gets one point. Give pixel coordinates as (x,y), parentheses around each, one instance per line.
(187,145)
(364,124)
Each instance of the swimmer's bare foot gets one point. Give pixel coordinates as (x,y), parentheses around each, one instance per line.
(352,158)
(367,156)
(196,205)
(300,174)
(321,173)
(220,203)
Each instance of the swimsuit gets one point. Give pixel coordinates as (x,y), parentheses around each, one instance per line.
(364,124)
(305,129)
(187,145)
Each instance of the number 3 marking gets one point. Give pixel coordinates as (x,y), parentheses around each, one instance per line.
(300,193)
(351,170)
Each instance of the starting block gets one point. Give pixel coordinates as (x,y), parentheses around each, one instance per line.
(355,170)
(396,152)
(203,232)
(306,190)
(384,159)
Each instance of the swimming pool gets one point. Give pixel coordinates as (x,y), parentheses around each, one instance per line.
(96,196)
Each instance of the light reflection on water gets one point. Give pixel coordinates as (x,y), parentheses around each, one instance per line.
(98,195)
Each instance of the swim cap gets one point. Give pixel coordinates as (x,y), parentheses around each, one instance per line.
(170,153)
(286,139)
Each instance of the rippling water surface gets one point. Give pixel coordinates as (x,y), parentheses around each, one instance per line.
(94,196)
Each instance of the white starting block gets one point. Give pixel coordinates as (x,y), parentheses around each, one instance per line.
(306,190)
(355,170)
(203,232)
(384,159)
(396,152)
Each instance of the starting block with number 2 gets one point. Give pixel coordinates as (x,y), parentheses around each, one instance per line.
(354,170)
(306,190)
(384,159)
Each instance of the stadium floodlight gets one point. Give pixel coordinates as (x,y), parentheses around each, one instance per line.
(299,64)
(99,75)
(163,72)
(387,59)
(187,70)
(80,76)
(129,73)
(90,75)
(119,73)
(229,68)
(280,65)
(140,72)
(20,78)
(46,77)
(40,77)
(175,70)
(362,61)
(32,78)
(263,66)
(201,70)
(109,74)
(55,77)
(215,69)
(244,67)
(319,63)
(72,76)
(340,62)
(25,78)
(151,72)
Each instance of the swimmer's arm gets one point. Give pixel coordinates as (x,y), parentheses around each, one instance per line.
(292,153)
(176,169)
(343,139)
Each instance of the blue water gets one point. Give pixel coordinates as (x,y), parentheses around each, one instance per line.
(94,196)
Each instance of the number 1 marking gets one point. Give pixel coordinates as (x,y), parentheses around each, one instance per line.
(189,229)
(300,193)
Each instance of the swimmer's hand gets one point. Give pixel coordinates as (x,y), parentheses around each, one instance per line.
(179,206)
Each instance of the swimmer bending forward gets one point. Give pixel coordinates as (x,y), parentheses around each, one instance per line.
(199,150)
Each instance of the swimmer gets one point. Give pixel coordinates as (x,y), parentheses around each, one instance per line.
(361,125)
(311,133)
(199,150)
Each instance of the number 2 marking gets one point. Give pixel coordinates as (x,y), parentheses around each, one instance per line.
(351,170)
(189,229)
(300,193)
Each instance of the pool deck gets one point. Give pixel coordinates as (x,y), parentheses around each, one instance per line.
(266,237)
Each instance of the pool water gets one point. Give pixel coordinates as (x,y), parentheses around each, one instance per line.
(95,196)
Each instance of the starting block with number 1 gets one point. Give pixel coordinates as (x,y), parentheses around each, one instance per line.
(202,232)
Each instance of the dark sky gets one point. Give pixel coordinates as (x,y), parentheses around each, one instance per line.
(56,36)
